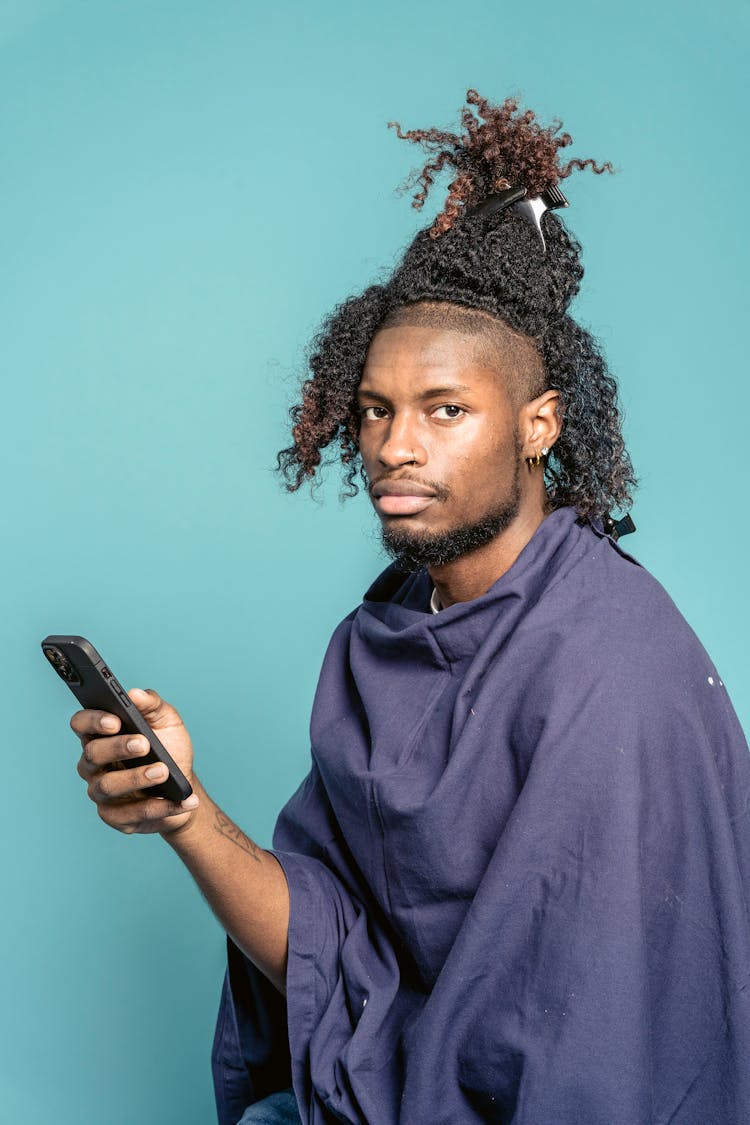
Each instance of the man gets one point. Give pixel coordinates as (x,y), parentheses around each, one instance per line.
(514,885)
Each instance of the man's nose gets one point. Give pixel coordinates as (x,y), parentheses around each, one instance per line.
(402,445)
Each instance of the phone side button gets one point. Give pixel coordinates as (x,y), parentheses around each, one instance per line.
(124,698)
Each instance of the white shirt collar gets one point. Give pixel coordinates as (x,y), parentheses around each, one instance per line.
(435,605)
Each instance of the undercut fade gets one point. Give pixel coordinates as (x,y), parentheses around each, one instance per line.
(495,268)
(497,344)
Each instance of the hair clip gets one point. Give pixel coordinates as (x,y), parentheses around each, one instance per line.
(615,528)
(514,199)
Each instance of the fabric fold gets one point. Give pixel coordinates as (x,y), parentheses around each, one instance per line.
(518,868)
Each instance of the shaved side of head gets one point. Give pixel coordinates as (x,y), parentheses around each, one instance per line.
(498,345)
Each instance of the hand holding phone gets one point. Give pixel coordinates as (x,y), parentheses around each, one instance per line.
(137,754)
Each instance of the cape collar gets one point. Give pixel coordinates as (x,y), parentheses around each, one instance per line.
(397,609)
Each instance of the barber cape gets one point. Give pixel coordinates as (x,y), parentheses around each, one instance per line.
(519,867)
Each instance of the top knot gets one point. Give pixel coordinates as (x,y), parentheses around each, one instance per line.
(501,147)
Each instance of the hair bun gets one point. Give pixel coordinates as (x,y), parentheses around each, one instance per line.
(501,146)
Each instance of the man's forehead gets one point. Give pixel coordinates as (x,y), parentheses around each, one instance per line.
(424,346)
(441,334)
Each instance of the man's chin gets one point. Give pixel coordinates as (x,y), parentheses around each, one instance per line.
(412,547)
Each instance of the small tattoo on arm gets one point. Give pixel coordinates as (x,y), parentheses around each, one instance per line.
(225,826)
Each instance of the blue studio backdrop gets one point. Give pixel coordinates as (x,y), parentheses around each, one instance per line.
(186,189)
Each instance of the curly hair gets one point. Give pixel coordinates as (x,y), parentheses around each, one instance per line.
(495,267)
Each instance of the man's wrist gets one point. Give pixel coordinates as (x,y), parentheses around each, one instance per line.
(195,825)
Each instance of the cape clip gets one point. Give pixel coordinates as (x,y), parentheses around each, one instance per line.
(515,199)
(615,528)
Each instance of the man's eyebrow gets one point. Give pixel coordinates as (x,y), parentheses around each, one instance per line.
(431,392)
(363,392)
(447,389)
(370,394)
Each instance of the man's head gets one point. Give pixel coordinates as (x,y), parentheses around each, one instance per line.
(452,407)
(485,264)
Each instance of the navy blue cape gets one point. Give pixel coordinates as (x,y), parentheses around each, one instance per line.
(519,868)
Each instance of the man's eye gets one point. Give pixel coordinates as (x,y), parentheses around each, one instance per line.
(371,413)
(449,411)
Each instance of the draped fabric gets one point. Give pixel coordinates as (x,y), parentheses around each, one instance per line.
(519,867)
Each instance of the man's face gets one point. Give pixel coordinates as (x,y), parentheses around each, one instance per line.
(439,442)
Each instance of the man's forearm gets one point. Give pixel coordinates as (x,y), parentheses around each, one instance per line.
(244,885)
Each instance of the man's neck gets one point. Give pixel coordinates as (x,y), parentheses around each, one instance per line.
(472,575)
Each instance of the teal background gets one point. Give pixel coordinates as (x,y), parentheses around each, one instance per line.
(186,188)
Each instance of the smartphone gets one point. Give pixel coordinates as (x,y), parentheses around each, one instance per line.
(77,662)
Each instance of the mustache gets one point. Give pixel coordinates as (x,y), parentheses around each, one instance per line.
(440,491)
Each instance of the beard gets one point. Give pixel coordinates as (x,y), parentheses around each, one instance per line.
(411,551)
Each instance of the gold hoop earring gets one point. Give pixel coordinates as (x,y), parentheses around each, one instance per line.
(538,458)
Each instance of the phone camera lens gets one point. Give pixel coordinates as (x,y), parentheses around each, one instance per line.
(62,665)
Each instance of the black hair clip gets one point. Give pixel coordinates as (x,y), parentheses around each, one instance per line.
(615,528)
(515,199)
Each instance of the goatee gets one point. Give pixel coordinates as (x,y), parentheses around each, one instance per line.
(411,551)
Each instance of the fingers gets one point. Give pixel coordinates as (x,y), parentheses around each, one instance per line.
(121,794)
(96,728)
(153,814)
(157,713)
(101,752)
(122,800)
(114,785)
(94,722)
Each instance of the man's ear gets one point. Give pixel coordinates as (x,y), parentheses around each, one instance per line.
(540,423)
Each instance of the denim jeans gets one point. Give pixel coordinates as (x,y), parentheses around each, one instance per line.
(278,1109)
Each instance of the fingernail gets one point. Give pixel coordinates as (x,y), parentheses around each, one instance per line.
(156,771)
(135,747)
(109,723)
(190,802)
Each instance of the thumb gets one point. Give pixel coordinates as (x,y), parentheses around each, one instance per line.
(156,711)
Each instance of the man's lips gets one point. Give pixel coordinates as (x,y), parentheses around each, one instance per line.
(401,497)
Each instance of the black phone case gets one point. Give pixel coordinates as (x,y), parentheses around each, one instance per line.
(100,690)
